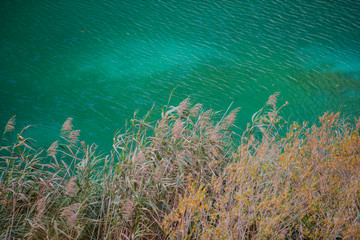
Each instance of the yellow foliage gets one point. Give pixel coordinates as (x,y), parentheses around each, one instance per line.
(306,187)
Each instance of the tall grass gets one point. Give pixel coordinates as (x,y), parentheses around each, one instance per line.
(187,176)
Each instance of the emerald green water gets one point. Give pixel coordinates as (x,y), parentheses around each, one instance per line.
(99,61)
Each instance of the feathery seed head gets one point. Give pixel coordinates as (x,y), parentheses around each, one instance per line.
(205,117)
(273,100)
(162,124)
(52,149)
(139,157)
(183,106)
(230,119)
(67,126)
(194,111)
(40,207)
(177,128)
(10,125)
(71,214)
(74,136)
(128,208)
(71,187)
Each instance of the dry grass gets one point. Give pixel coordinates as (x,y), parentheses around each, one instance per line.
(187,176)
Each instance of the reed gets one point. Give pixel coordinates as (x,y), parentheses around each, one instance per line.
(187,175)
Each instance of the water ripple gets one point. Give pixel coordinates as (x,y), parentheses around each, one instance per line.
(100,60)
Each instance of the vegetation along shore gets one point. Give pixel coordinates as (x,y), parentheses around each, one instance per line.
(188,175)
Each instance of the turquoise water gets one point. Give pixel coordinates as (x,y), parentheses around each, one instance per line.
(99,61)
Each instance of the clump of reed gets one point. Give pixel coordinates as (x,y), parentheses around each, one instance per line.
(186,176)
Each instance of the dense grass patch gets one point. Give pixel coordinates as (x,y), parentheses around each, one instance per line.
(187,176)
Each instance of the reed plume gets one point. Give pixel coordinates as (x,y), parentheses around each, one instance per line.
(230,119)
(71,214)
(10,125)
(71,187)
(273,100)
(177,128)
(40,207)
(183,107)
(67,126)
(52,149)
(74,136)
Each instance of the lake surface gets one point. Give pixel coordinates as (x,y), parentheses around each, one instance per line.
(99,61)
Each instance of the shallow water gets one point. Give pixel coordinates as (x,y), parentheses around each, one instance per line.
(99,61)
